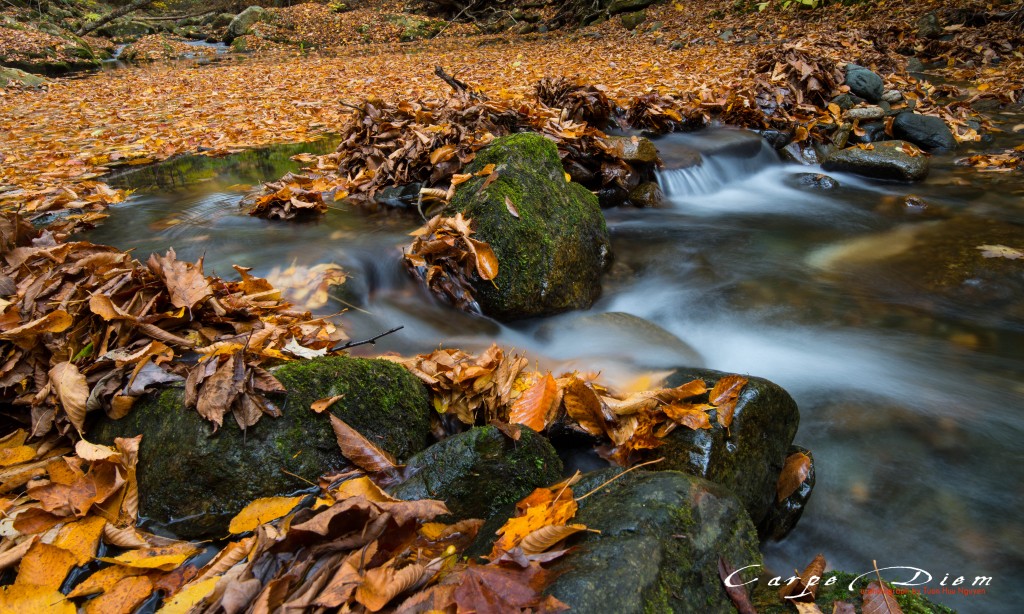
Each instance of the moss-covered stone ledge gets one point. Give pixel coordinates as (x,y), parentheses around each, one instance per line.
(192,481)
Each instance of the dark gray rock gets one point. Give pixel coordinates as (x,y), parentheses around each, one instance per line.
(552,256)
(925,131)
(193,481)
(647,194)
(627,6)
(784,515)
(887,160)
(661,536)
(864,83)
(748,457)
(812,181)
(481,471)
(928,26)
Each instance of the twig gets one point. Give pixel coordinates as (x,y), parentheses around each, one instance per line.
(371,340)
(464,9)
(607,482)
(455,84)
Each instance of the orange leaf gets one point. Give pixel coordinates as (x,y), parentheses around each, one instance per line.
(360,450)
(322,404)
(794,473)
(261,511)
(45,565)
(536,406)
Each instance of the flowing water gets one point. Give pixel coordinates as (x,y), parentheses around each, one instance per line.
(910,398)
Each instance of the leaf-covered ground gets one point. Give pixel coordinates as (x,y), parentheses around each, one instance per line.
(685,60)
(77,129)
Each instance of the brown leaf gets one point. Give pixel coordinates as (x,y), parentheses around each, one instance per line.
(185,281)
(72,390)
(794,473)
(511,207)
(382,584)
(361,451)
(490,589)
(536,406)
(219,391)
(486,260)
(544,538)
(737,591)
(805,590)
(878,599)
(725,395)
(322,404)
(583,405)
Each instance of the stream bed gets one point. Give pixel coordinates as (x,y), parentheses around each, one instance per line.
(911,392)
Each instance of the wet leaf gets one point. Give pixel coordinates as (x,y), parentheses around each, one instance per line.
(164,558)
(546,537)
(45,565)
(125,596)
(535,408)
(185,281)
(1001,251)
(794,473)
(725,395)
(81,538)
(33,599)
(183,601)
(260,511)
(879,599)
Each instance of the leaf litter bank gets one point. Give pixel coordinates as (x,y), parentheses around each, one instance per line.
(89,328)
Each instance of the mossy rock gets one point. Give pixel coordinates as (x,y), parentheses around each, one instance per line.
(13,76)
(885,160)
(414,28)
(552,256)
(481,471)
(660,537)
(193,481)
(748,457)
(245,20)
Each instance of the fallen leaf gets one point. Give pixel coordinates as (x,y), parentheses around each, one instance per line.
(535,407)
(72,390)
(261,511)
(794,473)
(322,404)
(358,449)
(511,207)
(1001,251)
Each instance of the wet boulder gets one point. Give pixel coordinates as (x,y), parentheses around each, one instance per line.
(864,83)
(646,195)
(554,246)
(784,514)
(481,471)
(661,536)
(632,149)
(746,458)
(193,481)
(241,23)
(884,160)
(924,131)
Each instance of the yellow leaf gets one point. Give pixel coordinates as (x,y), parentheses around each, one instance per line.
(33,599)
(362,487)
(16,456)
(81,538)
(164,558)
(442,153)
(104,580)
(189,596)
(125,596)
(261,511)
(53,322)
(322,404)
(45,565)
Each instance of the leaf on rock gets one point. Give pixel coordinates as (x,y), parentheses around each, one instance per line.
(536,407)
(361,451)
(511,207)
(322,404)
(737,594)
(725,395)
(546,537)
(261,511)
(879,599)
(794,473)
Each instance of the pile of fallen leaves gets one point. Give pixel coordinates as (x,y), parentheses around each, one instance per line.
(1003,162)
(447,260)
(495,387)
(85,327)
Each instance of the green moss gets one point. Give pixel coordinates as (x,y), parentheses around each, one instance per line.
(481,471)
(193,480)
(551,256)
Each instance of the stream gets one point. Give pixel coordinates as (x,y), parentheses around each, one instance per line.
(910,398)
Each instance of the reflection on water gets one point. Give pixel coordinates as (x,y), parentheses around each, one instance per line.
(911,405)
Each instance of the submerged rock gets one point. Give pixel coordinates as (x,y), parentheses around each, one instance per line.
(193,481)
(748,457)
(812,181)
(552,255)
(661,536)
(618,335)
(481,471)
(923,130)
(632,149)
(885,160)
(864,83)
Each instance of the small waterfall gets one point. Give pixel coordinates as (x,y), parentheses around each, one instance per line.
(726,156)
